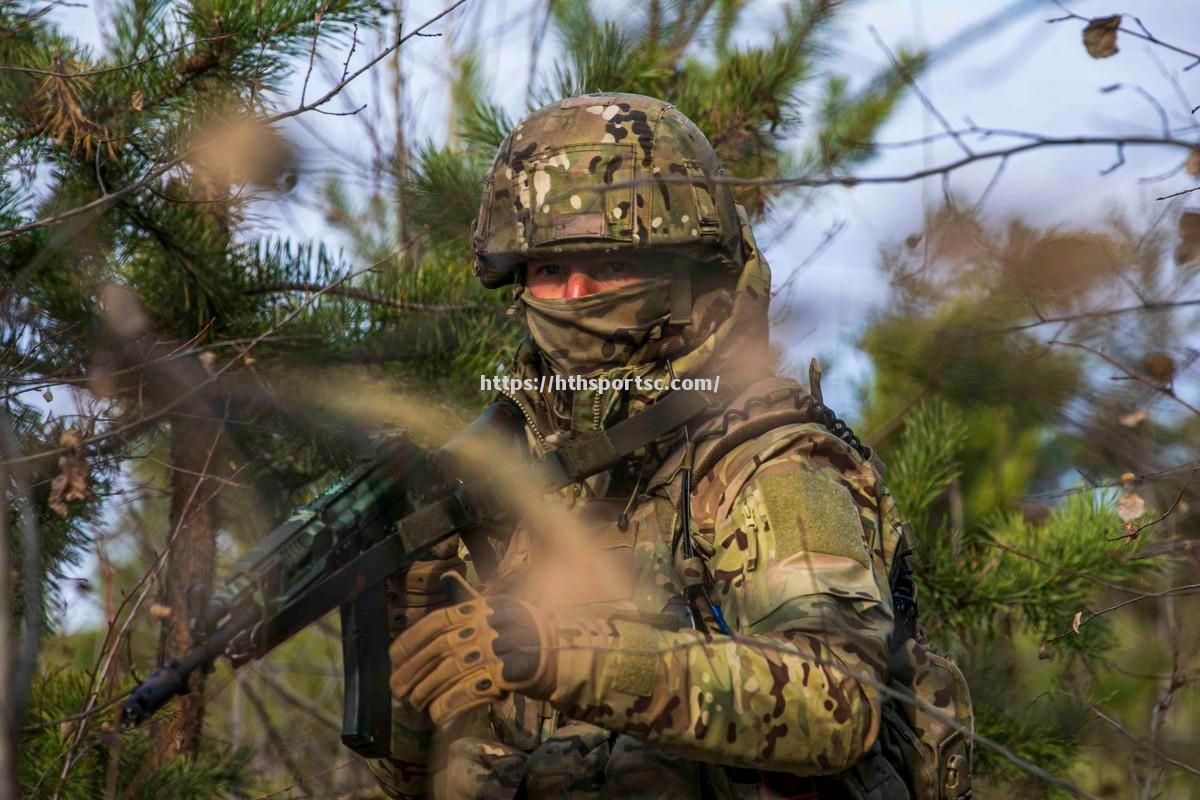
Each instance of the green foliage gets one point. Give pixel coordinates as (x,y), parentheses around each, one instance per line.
(985,420)
(922,468)
(139,773)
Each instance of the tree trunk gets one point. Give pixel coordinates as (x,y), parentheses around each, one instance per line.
(196,464)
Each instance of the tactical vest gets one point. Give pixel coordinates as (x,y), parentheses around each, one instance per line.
(917,753)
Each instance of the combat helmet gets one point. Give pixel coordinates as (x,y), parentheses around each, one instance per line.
(603,173)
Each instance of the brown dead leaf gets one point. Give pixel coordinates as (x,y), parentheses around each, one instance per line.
(208,358)
(1044,652)
(1100,36)
(1133,418)
(1188,249)
(1076,621)
(138,101)
(48,396)
(159,612)
(71,483)
(249,361)
(1128,478)
(1130,506)
(1159,366)
(1192,165)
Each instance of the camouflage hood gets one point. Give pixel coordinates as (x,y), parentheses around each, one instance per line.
(625,333)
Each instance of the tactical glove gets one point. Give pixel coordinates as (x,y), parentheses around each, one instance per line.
(474,653)
(420,590)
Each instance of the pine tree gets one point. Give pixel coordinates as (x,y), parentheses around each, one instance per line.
(990,397)
(140,294)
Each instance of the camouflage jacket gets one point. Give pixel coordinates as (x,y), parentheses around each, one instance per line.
(796,535)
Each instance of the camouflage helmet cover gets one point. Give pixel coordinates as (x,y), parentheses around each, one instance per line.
(602,173)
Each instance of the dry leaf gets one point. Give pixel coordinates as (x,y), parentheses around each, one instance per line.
(249,361)
(1044,652)
(71,482)
(65,729)
(1159,366)
(1133,418)
(1188,249)
(1076,620)
(208,358)
(159,612)
(198,62)
(1128,478)
(1100,36)
(1193,163)
(48,396)
(1130,506)
(138,101)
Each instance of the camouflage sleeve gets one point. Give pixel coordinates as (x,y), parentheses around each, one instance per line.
(796,568)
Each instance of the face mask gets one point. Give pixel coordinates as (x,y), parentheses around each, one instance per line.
(601,330)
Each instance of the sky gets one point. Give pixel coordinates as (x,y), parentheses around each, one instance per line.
(1015,71)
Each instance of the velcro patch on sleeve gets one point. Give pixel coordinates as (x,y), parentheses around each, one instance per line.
(633,667)
(809,513)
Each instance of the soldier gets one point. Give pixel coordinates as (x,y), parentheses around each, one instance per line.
(759,603)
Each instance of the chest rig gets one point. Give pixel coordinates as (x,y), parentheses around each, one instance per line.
(663,551)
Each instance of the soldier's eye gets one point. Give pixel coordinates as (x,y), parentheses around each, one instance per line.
(547,270)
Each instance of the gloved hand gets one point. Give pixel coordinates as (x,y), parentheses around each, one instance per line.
(474,653)
(418,591)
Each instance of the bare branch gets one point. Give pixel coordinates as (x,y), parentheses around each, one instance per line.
(101,203)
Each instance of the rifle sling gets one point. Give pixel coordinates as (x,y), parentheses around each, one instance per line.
(592,452)
(469,504)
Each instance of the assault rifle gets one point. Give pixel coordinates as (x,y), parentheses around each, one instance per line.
(338,551)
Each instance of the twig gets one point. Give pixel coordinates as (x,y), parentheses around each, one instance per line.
(1123,731)
(367,297)
(49,73)
(276,742)
(1190,588)
(102,202)
(1133,534)
(1153,305)
(1143,34)
(1167,390)
(313,710)
(312,54)
(215,375)
(925,101)
(278,792)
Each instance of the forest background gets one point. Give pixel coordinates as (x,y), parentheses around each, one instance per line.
(198,309)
